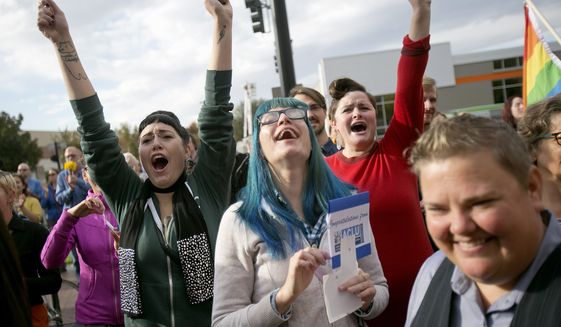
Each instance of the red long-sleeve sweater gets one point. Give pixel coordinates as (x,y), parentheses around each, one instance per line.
(395,215)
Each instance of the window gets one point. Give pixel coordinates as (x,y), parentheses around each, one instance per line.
(504,88)
(508,64)
(384,112)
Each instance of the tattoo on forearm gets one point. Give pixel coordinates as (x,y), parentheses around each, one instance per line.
(221,33)
(69,55)
(67,52)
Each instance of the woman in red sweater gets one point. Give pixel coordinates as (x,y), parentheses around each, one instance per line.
(380,167)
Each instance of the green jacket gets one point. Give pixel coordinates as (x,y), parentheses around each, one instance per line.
(163,294)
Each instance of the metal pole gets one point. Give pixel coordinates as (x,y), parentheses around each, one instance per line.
(57,158)
(249,89)
(284,47)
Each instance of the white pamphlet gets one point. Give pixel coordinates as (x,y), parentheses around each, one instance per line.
(339,304)
(349,240)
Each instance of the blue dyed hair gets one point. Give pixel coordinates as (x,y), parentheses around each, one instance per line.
(282,231)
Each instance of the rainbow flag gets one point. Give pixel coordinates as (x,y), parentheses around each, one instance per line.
(542,69)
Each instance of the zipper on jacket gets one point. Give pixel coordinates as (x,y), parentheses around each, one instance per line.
(172,313)
(170,279)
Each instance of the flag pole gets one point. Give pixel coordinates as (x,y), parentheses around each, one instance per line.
(544,21)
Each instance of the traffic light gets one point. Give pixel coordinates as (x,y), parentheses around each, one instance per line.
(256,12)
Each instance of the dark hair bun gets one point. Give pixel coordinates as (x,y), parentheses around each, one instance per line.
(339,87)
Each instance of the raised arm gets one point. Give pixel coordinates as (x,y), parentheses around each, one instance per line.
(221,55)
(420,19)
(407,121)
(52,23)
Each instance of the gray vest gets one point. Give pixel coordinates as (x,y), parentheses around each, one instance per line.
(539,305)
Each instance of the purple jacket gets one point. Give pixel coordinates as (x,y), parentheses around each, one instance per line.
(98,297)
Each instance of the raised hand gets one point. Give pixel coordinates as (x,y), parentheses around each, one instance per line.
(87,207)
(301,270)
(220,9)
(420,4)
(420,19)
(362,286)
(221,53)
(51,21)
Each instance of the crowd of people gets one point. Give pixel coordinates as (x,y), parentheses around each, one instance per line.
(463,210)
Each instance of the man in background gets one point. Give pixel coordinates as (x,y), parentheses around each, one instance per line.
(430,97)
(33,185)
(316,115)
(71,188)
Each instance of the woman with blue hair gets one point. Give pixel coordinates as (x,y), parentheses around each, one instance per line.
(268,247)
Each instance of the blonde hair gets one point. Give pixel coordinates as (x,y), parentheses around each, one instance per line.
(467,134)
(429,81)
(8,184)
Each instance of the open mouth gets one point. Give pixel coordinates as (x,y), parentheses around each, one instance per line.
(358,127)
(286,134)
(159,162)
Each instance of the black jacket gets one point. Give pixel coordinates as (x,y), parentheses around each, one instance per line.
(29,238)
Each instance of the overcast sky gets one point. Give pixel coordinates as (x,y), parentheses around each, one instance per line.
(145,55)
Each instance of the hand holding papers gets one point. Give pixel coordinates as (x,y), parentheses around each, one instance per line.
(347,219)
(339,304)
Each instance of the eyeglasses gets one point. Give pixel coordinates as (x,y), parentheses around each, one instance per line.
(556,136)
(272,117)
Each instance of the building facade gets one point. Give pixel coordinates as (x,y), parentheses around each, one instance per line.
(477,82)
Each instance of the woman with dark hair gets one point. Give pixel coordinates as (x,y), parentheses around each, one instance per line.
(513,110)
(269,246)
(168,222)
(14,305)
(29,238)
(27,204)
(380,166)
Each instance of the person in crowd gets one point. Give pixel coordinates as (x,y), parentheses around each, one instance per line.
(33,185)
(430,99)
(269,244)
(49,202)
(93,229)
(500,251)
(71,188)
(513,110)
(29,238)
(27,205)
(168,222)
(193,158)
(540,127)
(239,175)
(132,162)
(380,166)
(317,113)
(14,304)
